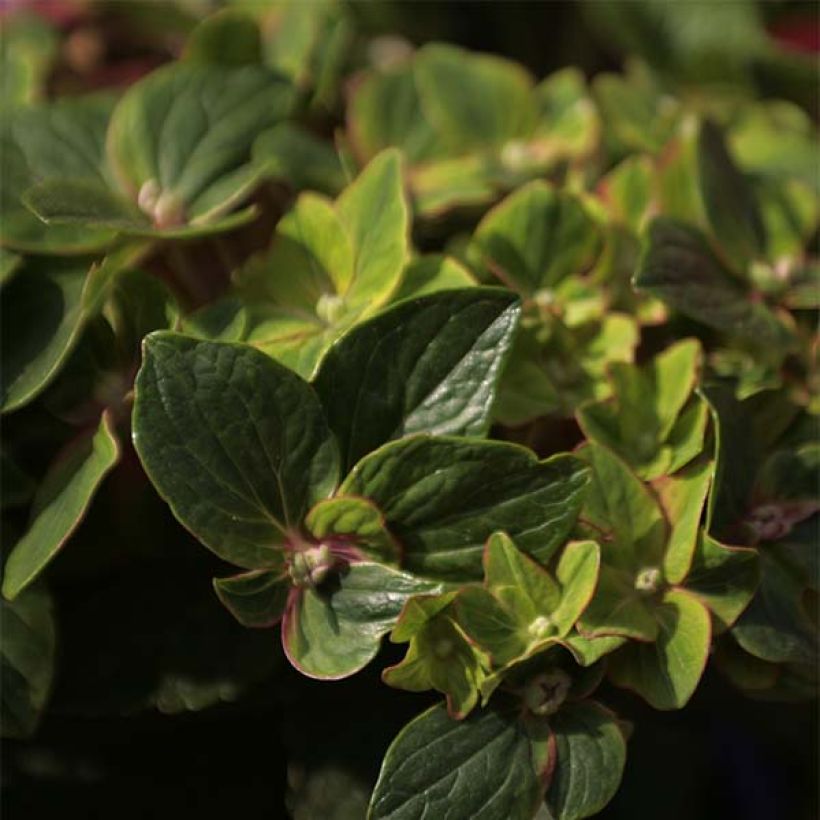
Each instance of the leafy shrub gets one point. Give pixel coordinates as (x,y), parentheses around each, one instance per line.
(351,366)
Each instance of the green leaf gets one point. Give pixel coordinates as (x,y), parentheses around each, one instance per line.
(627,190)
(680,268)
(617,609)
(473,100)
(432,273)
(568,124)
(443,497)
(41,316)
(483,767)
(27,653)
(139,303)
(588,651)
(226,38)
(523,609)
(622,513)
(30,44)
(682,497)
(236,444)
(64,139)
(300,158)
(257,598)
(374,212)
(537,237)
(440,656)
(329,265)
(728,199)
(430,365)
(725,578)
(333,632)
(180,139)
(385,110)
(577,573)
(777,626)
(589,760)
(60,503)
(643,415)
(357,523)
(666,673)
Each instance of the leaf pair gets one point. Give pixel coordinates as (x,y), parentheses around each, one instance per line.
(330,264)
(247,456)
(653,421)
(498,766)
(469,124)
(658,576)
(177,154)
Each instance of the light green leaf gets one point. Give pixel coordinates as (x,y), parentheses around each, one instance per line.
(27,653)
(375,214)
(426,366)
(568,123)
(439,656)
(41,317)
(627,190)
(444,496)
(622,513)
(385,110)
(257,598)
(577,573)
(484,768)
(725,578)
(473,100)
(589,760)
(537,237)
(236,444)
(640,419)
(432,273)
(60,503)
(666,673)
(680,268)
(358,523)
(682,497)
(329,265)
(333,632)
(30,44)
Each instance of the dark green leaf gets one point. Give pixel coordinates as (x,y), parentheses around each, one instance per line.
(237,444)
(443,497)
(589,760)
(728,199)
(227,38)
(27,653)
(41,316)
(724,578)
(481,768)
(680,268)
(65,139)
(426,366)
(60,503)
(256,598)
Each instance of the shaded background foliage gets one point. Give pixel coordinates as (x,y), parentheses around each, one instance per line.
(723,757)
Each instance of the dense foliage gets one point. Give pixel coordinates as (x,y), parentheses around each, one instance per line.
(521,374)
